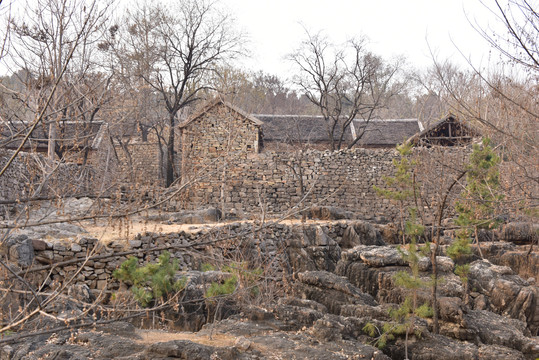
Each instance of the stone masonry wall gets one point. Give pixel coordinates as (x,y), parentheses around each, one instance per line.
(23,177)
(261,246)
(16,181)
(139,164)
(214,134)
(343,179)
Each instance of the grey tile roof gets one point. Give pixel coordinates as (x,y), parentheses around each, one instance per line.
(312,129)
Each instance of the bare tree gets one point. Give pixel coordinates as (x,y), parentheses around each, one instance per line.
(344,82)
(56,46)
(190,40)
(501,100)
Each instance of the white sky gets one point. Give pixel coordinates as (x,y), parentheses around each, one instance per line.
(393,27)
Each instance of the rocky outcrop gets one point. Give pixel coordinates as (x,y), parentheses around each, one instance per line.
(520,233)
(361,233)
(522,259)
(505,293)
(330,290)
(18,249)
(337,278)
(372,269)
(310,248)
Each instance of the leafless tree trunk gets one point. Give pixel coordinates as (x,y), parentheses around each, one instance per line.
(190,40)
(344,82)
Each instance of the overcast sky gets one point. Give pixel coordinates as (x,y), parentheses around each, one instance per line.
(394,27)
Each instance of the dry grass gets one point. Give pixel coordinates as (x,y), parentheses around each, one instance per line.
(154,336)
(128,231)
(107,233)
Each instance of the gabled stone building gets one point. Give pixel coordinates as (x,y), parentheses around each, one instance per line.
(219,129)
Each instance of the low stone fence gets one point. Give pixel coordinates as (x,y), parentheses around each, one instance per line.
(92,262)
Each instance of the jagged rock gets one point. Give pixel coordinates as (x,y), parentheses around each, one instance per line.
(303,303)
(435,347)
(330,281)
(300,260)
(316,236)
(390,233)
(78,346)
(359,274)
(330,290)
(324,258)
(379,281)
(520,232)
(329,213)
(296,317)
(493,329)
(310,248)
(6,353)
(21,251)
(185,349)
(361,233)
(444,263)
(380,312)
(518,257)
(376,256)
(310,344)
(305,236)
(495,352)
(242,343)
(451,286)
(451,309)
(328,328)
(507,293)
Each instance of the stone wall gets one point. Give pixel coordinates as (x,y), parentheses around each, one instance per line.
(139,163)
(25,178)
(344,179)
(17,181)
(259,247)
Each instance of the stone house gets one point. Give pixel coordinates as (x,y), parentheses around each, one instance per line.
(218,129)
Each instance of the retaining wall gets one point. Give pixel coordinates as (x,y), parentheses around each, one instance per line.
(270,181)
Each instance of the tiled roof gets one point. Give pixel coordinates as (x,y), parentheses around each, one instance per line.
(312,129)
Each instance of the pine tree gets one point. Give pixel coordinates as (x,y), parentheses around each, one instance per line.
(476,208)
(151,282)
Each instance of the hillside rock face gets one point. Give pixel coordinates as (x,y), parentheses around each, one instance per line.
(337,282)
(505,293)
